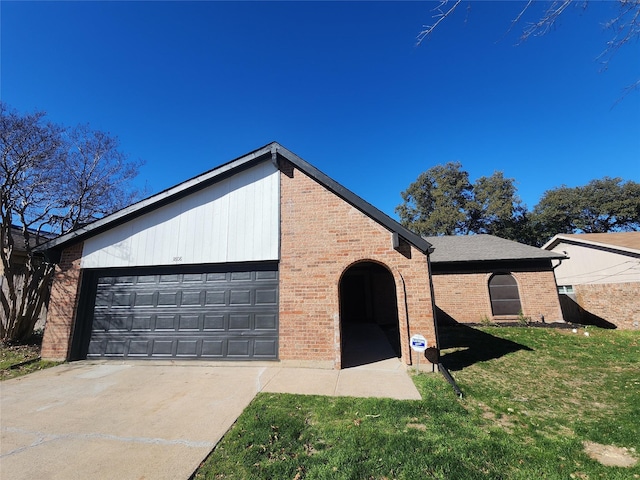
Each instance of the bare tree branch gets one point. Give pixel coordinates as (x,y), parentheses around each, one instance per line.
(625,26)
(428,29)
(51,180)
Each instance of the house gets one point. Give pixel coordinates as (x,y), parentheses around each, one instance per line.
(600,281)
(18,261)
(484,278)
(262,258)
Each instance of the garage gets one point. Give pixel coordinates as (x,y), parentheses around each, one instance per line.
(224,312)
(261,258)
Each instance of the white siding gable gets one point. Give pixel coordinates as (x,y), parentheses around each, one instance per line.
(587,265)
(234,220)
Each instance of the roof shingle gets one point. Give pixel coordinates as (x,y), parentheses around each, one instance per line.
(475,248)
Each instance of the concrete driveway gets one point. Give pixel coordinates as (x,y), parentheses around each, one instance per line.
(150,420)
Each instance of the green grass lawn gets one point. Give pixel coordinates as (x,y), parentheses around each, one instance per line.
(533,397)
(18,360)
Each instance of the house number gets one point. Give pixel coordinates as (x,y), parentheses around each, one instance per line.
(177,259)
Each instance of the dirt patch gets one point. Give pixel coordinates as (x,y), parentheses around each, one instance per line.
(502,421)
(417,426)
(609,455)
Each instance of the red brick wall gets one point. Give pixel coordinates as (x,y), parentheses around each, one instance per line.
(62,305)
(618,303)
(321,236)
(465,296)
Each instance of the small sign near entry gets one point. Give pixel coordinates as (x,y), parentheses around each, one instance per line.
(418,343)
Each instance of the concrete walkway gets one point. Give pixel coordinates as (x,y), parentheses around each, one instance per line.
(384,379)
(151,420)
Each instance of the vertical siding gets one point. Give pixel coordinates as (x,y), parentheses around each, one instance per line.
(234,220)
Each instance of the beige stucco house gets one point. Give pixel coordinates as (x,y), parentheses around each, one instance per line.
(600,281)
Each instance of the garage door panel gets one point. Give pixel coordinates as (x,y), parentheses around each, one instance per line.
(141,323)
(173,278)
(116,347)
(188,323)
(216,277)
(266,322)
(165,322)
(265,348)
(139,348)
(266,296)
(191,298)
(238,347)
(267,275)
(216,297)
(232,314)
(163,348)
(214,323)
(240,297)
(167,299)
(213,348)
(239,276)
(187,348)
(240,322)
(144,299)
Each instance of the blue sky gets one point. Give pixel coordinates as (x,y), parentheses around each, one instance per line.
(189,86)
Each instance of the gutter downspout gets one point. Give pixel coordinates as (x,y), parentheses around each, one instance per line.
(441,367)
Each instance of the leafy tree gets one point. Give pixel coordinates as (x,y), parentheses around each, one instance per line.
(604,205)
(52,179)
(436,203)
(442,201)
(496,208)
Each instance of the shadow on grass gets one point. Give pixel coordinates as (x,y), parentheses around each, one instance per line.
(574,313)
(470,345)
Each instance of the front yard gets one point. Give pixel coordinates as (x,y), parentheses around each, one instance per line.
(539,403)
(18,360)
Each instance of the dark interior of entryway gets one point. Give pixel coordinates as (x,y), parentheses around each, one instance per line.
(368,315)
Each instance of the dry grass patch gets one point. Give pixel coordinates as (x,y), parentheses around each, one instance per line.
(611,455)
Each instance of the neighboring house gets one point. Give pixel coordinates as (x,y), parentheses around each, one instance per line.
(18,262)
(482,278)
(600,281)
(262,258)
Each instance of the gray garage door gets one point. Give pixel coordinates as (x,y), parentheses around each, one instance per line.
(214,315)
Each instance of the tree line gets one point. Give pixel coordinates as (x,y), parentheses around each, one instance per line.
(443,201)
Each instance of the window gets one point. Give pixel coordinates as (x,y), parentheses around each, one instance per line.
(566,289)
(503,291)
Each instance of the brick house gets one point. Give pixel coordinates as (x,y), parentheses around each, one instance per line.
(478,278)
(262,258)
(599,282)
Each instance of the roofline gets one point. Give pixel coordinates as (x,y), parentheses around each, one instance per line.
(272,150)
(579,241)
(492,260)
(358,202)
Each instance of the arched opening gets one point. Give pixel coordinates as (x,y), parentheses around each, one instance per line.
(503,291)
(368,315)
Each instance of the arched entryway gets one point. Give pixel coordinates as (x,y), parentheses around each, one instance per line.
(368,315)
